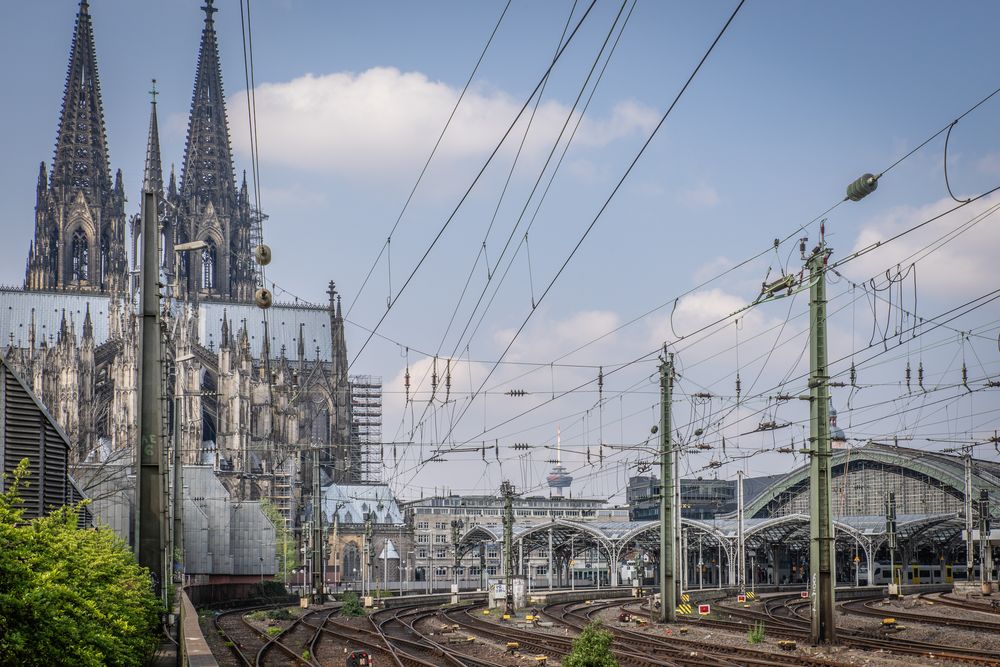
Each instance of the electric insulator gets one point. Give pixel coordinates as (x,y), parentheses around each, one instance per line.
(920,374)
(907,376)
(862,187)
(263,297)
(263,254)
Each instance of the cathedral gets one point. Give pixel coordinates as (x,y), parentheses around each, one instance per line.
(249,393)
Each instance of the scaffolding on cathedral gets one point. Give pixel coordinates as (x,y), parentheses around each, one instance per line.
(366,427)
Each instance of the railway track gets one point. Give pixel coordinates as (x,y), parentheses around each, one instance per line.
(785,614)
(254,647)
(867,608)
(397,627)
(674,650)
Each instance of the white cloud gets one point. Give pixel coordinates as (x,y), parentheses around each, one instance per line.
(548,338)
(701,195)
(960,268)
(293,196)
(712,268)
(383,119)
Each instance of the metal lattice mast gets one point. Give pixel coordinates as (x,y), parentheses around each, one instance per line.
(507,491)
(668,590)
(969,548)
(317,527)
(741,582)
(821,538)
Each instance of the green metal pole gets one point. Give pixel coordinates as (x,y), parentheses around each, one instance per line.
(507,491)
(149,491)
(821,538)
(317,528)
(668,592)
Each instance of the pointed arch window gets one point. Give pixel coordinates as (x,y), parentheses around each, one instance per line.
(80,257)
(208,266)
(105,258)
(352,562)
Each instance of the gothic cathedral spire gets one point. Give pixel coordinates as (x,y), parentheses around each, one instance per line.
(79,240)
(213,211)
(152,177)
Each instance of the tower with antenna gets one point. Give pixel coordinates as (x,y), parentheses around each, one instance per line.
(558,479)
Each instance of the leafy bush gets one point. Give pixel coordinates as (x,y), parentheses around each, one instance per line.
(352,606)
(306,655)
(69,596)
(592,649)
(755,635)
(269,589)
(274,630)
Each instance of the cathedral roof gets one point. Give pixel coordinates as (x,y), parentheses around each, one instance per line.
(16,308)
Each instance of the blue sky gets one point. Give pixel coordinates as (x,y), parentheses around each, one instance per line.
(797,100)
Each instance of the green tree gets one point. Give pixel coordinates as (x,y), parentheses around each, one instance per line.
(70,596)
(285,547)
(592,649)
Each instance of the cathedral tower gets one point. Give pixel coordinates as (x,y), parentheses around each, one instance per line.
(79,242)
(211,209)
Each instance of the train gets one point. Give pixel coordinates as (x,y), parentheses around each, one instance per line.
(921,573)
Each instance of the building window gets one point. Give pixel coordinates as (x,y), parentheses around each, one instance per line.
(208,266)
(421,525)
(440,525)
(491,570)
(441,571)
(105,258)
(492,553)
(541,569)
(440,553)
(474,571)
(80,253)
(421,553)
(423,539)
(440,539)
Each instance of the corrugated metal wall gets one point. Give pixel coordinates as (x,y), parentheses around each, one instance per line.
(27,431)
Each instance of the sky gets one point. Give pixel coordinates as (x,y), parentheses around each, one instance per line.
(796,101)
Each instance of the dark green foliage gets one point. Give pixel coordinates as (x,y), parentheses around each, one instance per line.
(592,649)
(270,590)
(69,596)
(352,606)
(755,635)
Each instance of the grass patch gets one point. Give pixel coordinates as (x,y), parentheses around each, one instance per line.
(755,635)
(274,630)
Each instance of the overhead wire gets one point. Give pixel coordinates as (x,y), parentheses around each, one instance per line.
(430,157)
(437,237)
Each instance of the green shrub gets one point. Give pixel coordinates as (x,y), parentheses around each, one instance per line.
(70,596)
(592,649)
(306,655)
(274,630)
(755,635)
(352,606)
